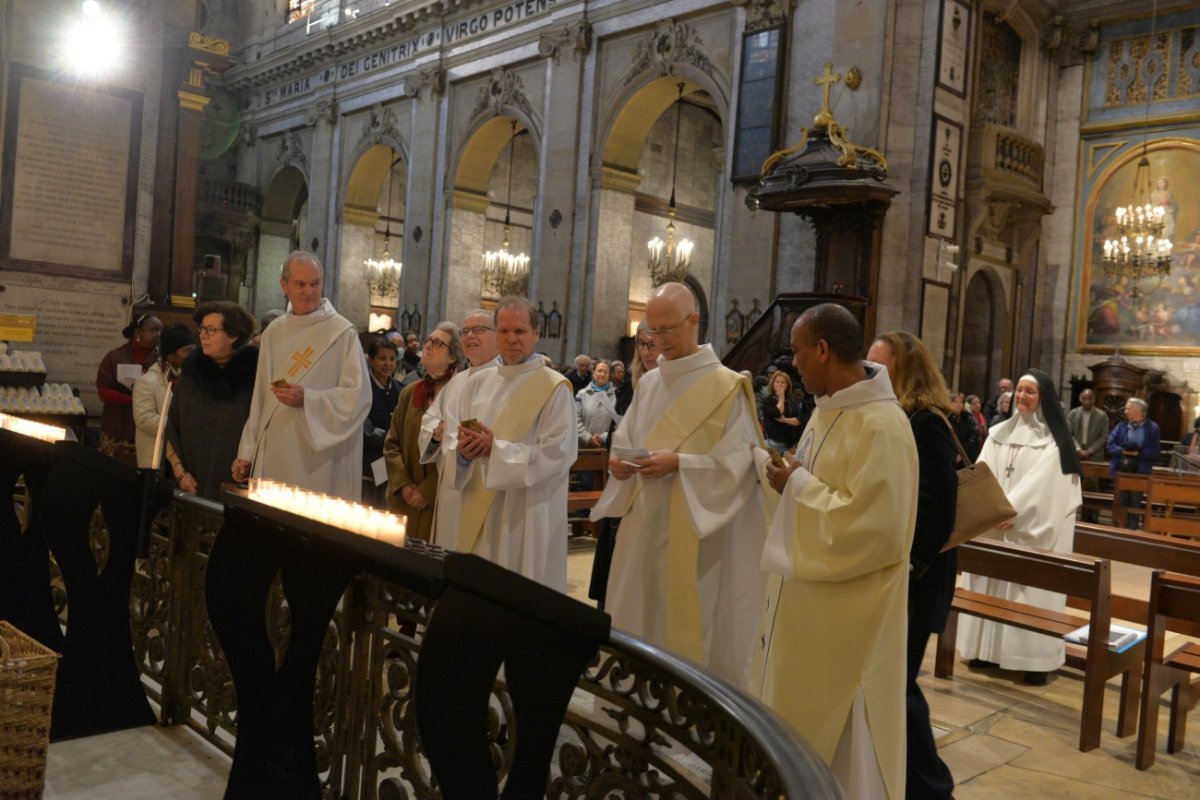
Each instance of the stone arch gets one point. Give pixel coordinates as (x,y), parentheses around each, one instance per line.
(371,223)
(985,319)
(486,137)
(478,201)
(283,229)
(633,111)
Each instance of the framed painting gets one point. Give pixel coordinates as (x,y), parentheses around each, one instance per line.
(1153,314)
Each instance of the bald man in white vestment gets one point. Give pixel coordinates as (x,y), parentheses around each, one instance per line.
(832,653)
(685,573)
(311,393)
(516,442)
(438,440)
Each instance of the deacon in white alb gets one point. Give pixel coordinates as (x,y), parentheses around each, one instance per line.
(439,427)
(515,447)
(685,573)
(311,393)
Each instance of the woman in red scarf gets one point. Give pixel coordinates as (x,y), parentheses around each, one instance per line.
(412,486)
(975,406)
(116,422)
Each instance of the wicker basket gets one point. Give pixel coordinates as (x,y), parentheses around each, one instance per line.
(27,670)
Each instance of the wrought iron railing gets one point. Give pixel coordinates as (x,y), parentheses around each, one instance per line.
(642,723)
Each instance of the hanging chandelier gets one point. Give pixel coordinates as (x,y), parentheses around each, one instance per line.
(1138,248)
(670,260)
(506,273)
(383,274)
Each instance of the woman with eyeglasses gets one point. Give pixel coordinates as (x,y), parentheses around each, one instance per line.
(212,399)
(412,486)
(115,385)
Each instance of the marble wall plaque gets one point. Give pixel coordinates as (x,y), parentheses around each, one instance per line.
(945,160)
(76,326)
(69,190)
(952,46)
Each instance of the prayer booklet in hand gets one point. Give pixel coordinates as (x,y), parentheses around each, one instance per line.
(128,373)
(630,454)
(1120,638)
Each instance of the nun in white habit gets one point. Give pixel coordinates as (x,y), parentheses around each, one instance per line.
(1033,457)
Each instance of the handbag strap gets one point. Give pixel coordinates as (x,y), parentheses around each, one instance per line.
(966,459)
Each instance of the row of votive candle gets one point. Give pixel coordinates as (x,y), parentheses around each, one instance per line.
(335,511)
(36,430)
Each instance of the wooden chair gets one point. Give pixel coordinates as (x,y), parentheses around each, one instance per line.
(1127,482)
(1173,507)
(592,461)
(1083,577)
(1172,597)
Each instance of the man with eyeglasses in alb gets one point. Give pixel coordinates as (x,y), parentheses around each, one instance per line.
(311,393)
(514,447)
(685,572)
(438,439)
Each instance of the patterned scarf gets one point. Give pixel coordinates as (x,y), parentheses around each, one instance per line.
(428,387)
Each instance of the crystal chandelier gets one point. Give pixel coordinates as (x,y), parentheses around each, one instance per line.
(1138,249)
(383,274)
(669,261)
(506,273)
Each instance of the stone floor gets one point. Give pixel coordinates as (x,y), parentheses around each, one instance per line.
(1000,738)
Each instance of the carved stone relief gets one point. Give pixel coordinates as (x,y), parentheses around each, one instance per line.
(1069,45)
(503,89)
(321,111)
(378,128)
(765,13)
(577,36)
(430,81)
(670,44)
(291,152)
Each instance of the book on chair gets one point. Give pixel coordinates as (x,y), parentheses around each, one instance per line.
(1120,638)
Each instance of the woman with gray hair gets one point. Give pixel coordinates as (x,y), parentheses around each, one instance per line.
(412,486)
(1133,446)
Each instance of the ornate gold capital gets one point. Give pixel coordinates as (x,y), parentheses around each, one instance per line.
(218,47)
(190,101)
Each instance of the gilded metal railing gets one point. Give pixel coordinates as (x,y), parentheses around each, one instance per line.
(641,722)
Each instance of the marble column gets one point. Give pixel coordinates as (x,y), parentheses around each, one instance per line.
(187,160)
(419,206)
(465,222)
(357,243)
(614,253)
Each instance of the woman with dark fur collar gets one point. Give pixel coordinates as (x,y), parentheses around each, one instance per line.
(212,399)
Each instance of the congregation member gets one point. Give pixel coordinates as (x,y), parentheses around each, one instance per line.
(382,355)
(617,373)
(516,442)
(413,483)
(1004,410)
(267,318)
(781,414)
(410,358)
(212,399)
(149,391)
(596,408)
(581,375)
(685,573)
(975,409)
(1034,458)
(992,407)
(311,393)
(1088,426)
(1190,443)
(963,425)
(438,438)
(118,371)
(1133,446)
(831,657)
(921,392)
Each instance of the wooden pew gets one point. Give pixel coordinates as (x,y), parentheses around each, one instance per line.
(1127,482)
(1075,576)
(1171,506)
(592,461)
(1099,500)
(1172,597)
(1145,550)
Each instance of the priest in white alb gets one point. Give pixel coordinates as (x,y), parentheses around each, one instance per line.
(438,440)
(311,393)
(685,572)
(516,442)
(833,636)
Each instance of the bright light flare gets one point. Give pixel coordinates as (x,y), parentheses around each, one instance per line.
(91,8)
(92,48)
